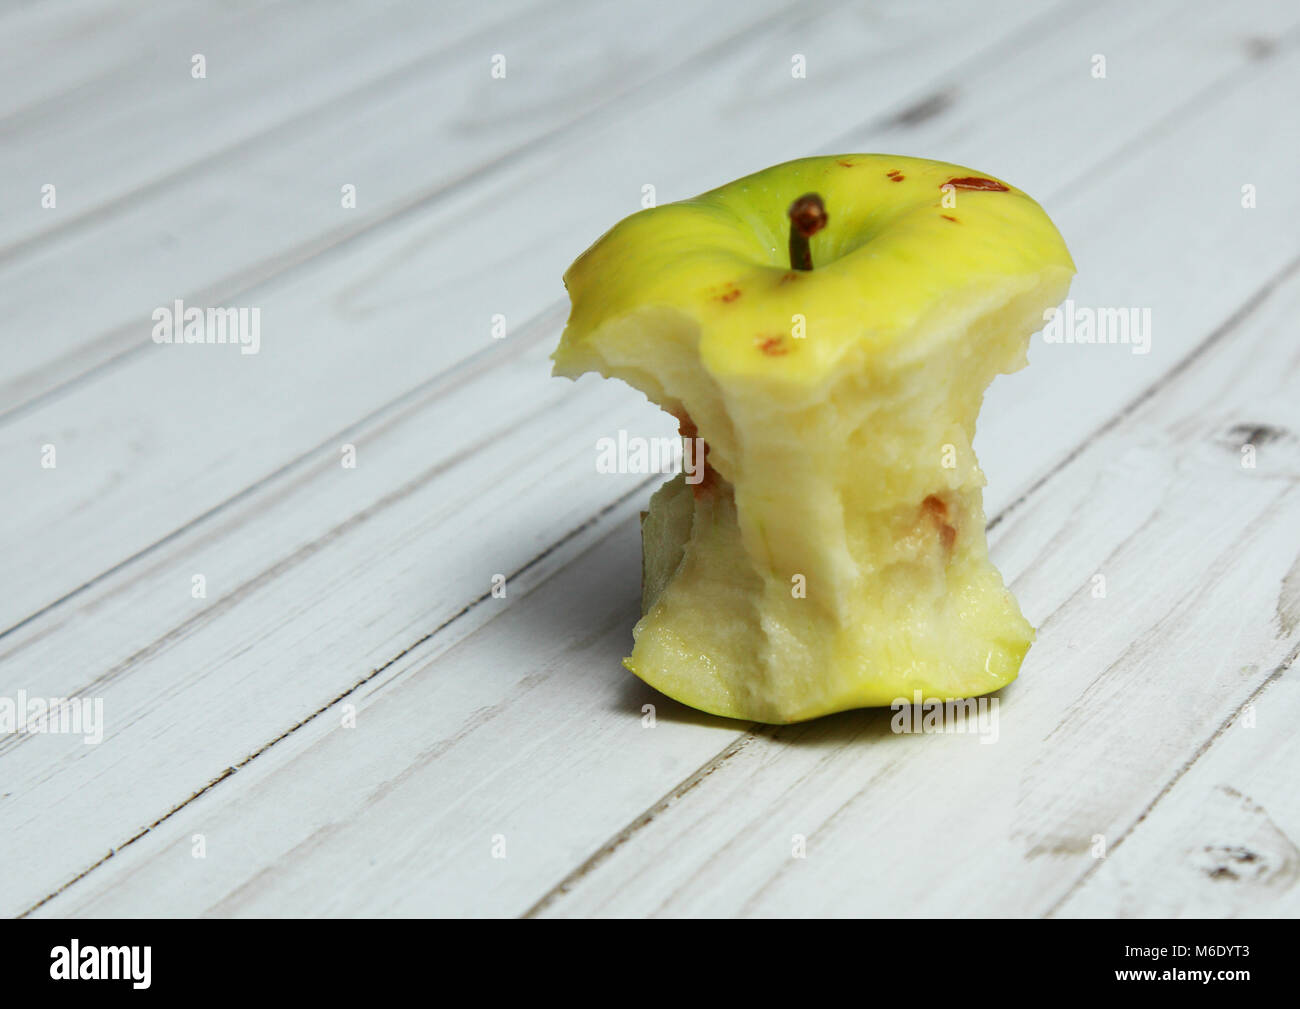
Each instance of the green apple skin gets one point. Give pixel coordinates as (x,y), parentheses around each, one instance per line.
(834,557)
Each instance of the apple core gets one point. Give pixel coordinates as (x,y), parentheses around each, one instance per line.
(834,555)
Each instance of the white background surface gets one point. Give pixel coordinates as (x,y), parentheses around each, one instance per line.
(1159,717)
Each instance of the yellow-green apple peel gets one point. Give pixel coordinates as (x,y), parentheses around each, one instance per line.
(828,326)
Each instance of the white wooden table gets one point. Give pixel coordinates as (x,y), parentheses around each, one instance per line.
(312,702)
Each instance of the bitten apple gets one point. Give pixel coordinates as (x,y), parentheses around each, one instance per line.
(828,327)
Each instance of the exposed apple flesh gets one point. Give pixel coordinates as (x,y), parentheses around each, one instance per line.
(835,556)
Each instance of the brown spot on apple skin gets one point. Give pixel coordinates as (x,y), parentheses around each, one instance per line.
(897,178)
(845,164)
(730,296)
(772,346)
(949,217)
(789,277)
(974,182)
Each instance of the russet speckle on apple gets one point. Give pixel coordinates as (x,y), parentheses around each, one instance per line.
(828,326)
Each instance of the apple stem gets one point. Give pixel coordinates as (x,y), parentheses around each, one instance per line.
(807,217)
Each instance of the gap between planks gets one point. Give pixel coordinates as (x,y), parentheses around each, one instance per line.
(1178,776)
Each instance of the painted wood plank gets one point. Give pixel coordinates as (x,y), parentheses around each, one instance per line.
(51,49)
(1222,841)
(400,306)
(248,206)
(1209,120)
(118,110)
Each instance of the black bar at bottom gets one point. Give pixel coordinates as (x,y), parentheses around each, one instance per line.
(935,958)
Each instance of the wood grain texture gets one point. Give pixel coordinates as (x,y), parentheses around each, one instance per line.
(363,593)
(405,126)
(128,114)
(1221,841)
